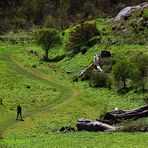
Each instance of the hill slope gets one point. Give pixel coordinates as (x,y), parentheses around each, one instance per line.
(51,100)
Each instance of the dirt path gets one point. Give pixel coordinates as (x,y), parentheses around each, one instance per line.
(67,93)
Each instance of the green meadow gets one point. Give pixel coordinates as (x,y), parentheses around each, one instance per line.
(50,99)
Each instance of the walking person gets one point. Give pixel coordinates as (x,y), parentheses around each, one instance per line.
(19,112)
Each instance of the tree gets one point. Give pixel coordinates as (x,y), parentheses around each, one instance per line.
(124,70)
(47,38)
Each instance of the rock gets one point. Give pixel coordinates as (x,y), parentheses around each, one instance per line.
(105,53)
(127,11)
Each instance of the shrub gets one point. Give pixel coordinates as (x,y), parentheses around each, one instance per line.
(47,38)
(100,79)
(81,36)
(140,59)
(124,70)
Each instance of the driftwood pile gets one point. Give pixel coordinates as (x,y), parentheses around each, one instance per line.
(114,117)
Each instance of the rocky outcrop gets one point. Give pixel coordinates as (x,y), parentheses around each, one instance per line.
(128,10)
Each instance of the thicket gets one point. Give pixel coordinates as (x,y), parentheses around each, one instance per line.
(140,59)
(83,37)
(100,79)
(127,72)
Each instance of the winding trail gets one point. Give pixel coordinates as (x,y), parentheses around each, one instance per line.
(67,93)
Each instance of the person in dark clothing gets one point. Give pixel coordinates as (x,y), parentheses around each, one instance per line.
(1,101)
(19,112)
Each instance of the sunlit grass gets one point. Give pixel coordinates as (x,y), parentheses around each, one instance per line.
(51,100)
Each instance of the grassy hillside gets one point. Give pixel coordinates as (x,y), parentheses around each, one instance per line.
(50,99)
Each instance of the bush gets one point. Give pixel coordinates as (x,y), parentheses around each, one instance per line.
(124,70)
(140,59)
(47,38)
(100,79)
(81,36)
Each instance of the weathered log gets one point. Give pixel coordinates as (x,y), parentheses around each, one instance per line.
(66,129)
(88,125)
(118,115)
(96,64)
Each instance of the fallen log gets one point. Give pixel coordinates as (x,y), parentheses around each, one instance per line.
(96,64)
(89,125)
(66,129)
(118,115)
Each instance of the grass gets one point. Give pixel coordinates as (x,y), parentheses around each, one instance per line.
(38,125)
(82,139)
(54,101)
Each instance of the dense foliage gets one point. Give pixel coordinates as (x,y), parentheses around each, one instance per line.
(124,70)
(100,80)
(60,13)
(140,59)
(81,36)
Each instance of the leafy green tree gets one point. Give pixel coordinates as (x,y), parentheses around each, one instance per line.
(47,38)
(124,70)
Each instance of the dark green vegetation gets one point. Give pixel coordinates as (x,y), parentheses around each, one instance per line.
(124,70)
(83,37)
(51,99)
(60,14)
